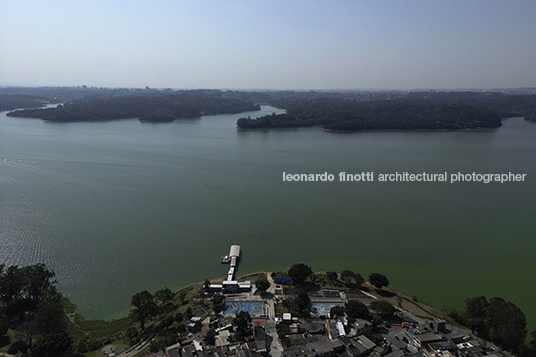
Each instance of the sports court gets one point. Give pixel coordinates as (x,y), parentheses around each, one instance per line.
(234,307)
(322,308)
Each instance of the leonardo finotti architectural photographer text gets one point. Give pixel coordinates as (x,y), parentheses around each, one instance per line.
(406,177)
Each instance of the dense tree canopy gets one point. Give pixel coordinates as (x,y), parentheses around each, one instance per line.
(164,296)
(29,297)
(336,310)
(218,303)
(498,320)
(352,279)
(16,101)
(21,289)
(394,110)
(531,117)
(383,308)
(299,272)
(347,274)
(378,280)
(531,348)
(401,114)
(243,326)
(299,304)
(356,309)
(153,108)
(144,306)
(210,337)
(507,324)
(262,285)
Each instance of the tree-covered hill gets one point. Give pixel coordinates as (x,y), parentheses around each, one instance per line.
(531,117)
(16,101)
(400,114)
(394,110)
(184,104)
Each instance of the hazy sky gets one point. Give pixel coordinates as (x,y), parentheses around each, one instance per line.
(398,44)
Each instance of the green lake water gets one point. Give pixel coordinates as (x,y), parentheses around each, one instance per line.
(119,207)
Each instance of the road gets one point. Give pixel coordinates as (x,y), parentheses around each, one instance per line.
(274,346)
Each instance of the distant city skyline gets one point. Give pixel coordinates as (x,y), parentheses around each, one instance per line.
(298,45)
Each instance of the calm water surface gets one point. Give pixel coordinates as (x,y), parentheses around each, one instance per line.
(118,207)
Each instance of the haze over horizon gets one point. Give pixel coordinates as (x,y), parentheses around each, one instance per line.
(296,45)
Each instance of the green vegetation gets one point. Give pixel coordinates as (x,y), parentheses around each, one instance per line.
(531,117)
(378,280)
(159,116)
(399,114)
(244,328)
(32,305)
(16,101)
(357,310)
(33,316)
(153,108)
(337,311)
(164,296)
(377,338)
(218,303)
(497,320)
(254,278)
(383,308)
(262,285)
(299,272)
(299,304)
(394,110)
(144,307)
(143,352)
(351,279)
(99,329)
(326,280)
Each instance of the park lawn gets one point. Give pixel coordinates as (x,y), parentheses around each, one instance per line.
(122,345)
(416,308)
(7,339)
(324,281)
(254,277)
(354,295)
(280,309)
(142,353)
(102,328)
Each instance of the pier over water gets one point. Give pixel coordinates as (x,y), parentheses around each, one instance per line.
(233,259)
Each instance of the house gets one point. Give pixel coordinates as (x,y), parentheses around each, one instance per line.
(322,348)
(358,346)
(438,324)
(313,328)
(194,324)
(173,350)
(363,327)
(259,343)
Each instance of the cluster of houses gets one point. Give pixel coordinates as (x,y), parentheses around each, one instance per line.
(434,339)
(225,346)
(322,336)
(325,337)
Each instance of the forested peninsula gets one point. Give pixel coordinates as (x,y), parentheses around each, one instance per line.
(395,110)
(148,107)
(333,110)
(17,101)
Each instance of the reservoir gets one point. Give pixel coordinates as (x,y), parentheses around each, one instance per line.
(118,207)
